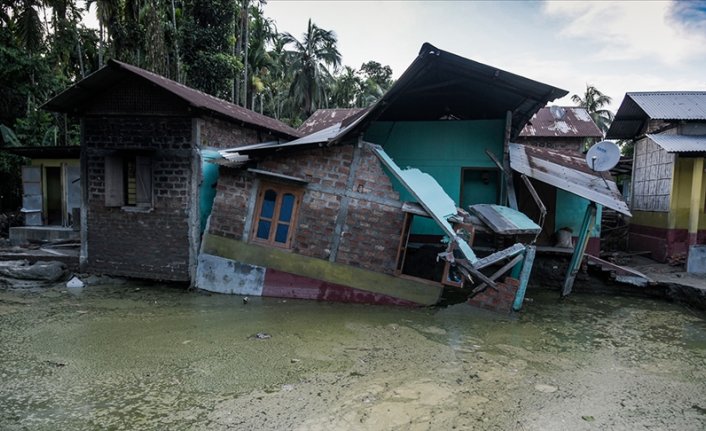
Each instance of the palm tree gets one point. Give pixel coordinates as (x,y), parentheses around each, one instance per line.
(594,101)
(311,59)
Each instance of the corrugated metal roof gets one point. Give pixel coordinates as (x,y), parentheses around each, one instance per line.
(567,173)
(325,118)
(73,99)
(680,143)
(561,122)
(672,105)
(441,84)
(638,107)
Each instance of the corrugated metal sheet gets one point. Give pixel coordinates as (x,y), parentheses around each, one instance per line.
(325,118)
(75,97)
(638,107)
(672,105)
(567,173)
(561,122)
(680,143)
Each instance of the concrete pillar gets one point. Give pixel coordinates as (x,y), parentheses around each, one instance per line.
(695,207)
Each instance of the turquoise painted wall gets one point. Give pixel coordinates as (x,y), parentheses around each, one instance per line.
(207,193)
(441,149)
(570,210)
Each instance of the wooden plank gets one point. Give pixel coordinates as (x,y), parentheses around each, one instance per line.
(505,268)
(586,227)
(509,184)
(114,188)
(414,208)
(143,176)
(524,277)
(498,256)
(504,220)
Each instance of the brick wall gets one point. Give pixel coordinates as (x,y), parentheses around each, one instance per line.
(153,244)
(230,207)
(499,300)
(221,134)
(372,226)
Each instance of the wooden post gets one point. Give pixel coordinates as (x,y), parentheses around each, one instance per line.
(585,232)
(524,277)
(509,185)
(695,205)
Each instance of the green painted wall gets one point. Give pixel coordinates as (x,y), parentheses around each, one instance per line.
(441,149)
(570,210)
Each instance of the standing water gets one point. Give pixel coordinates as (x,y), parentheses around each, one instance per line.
(145,357)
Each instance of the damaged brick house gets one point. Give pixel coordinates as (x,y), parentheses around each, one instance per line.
(326,217)
(144,142)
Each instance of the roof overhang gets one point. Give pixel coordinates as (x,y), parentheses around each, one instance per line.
(680,143)
(48,152)
(568,173)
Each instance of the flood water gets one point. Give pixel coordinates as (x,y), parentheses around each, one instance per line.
(137,356)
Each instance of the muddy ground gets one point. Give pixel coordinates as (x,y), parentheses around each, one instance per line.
(139,356)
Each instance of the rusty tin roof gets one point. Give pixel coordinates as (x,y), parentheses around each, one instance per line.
(325,118)
(561,122)
(568,173)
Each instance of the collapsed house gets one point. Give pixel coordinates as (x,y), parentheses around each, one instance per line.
(389,204)
(668,131)
(146,187)
(333,216)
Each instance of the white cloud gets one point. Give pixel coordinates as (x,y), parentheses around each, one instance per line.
(629,30)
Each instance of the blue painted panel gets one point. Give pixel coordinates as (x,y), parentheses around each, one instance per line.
(570,210)
(207,190)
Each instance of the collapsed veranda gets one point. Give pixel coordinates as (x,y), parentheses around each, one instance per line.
(327,216)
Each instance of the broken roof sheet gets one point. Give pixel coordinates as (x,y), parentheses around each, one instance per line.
(561,122)
(439,84)
(567,173)
(680,143)
(430,196)
(325,118)
(638,107)
(73,99)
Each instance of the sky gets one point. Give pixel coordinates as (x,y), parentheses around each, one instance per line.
(615,46)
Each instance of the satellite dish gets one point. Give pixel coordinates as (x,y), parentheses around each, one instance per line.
(603,156)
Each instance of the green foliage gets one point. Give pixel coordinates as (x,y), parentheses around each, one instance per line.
(594,101)
(206,42)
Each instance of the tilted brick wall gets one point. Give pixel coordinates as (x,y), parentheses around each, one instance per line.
(372,227)
(152,244)
(499,299)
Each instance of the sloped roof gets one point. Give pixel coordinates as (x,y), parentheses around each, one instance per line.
(325,118)
(561,122)
(680,143)
(75,98)
(568,173)
(638,107)
(441,85)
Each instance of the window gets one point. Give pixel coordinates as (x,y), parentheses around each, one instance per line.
(128,181)
(276,215)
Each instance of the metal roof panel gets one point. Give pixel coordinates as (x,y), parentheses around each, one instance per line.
(680,143)
(567,173)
